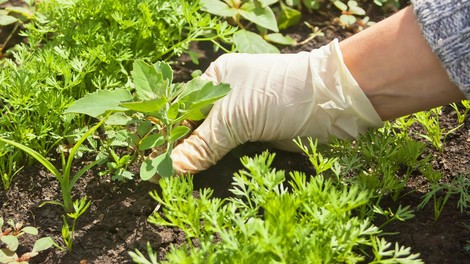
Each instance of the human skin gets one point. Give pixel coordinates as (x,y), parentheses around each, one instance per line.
(397,69)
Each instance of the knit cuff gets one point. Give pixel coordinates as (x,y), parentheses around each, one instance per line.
(446,27)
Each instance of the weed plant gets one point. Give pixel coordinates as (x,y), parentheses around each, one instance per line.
(157,111)
(10,241)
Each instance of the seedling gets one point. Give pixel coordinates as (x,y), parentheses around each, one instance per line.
(65,177)
(349,12)
(9,242)
(261,14)
(157,110)
(434,132)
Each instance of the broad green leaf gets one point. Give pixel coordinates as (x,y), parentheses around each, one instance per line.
(43,244)
(150,106)
(280,39)
(288,17)
(219,8)
(191,86)
(7,20)
(148,80)
(11,241)
(97,103)
(161,165)
(151,141)
(249,42)
(178,132)
(262,16)
(30,230)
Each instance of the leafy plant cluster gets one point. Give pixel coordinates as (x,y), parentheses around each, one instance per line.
(262,21)
(77,47)
(157,111)
(271,218)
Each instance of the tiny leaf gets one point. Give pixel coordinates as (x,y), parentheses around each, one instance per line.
(179,132)
(151,141)
(30,230)
(288,17)
(43,244)
(161,165)
(11,241)
(280,39)
(6,20)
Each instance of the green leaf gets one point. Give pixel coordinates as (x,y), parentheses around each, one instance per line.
(148,80)
(11,241)
(30,230)
(43,244)
(355,9)
(35,155)
(151,141)
(97,103)
(150,106)
(219,8)
(249,42)
(165,69)
(178,132)
(200,99)
(262,16)
(161,165)
(280,39)
(6,20)
(265,3)
(288,17)
(26,12)
(340,5)
(7,256)
(118,119)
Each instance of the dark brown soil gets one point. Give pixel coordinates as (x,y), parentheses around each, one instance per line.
(116,221)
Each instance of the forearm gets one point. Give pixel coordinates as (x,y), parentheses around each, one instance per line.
(396,68)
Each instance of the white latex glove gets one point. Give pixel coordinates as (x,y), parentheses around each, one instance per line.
(275,98)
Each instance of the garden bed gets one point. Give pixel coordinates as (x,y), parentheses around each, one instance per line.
(116,221)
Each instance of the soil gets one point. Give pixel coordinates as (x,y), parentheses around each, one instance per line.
(116,221)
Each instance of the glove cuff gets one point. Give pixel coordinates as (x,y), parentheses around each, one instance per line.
(350,111)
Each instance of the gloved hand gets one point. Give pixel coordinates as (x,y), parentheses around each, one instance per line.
(275,98)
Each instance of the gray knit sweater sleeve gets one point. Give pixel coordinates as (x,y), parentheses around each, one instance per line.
(446,27)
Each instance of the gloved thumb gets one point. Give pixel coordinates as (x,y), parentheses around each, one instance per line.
(211,140)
